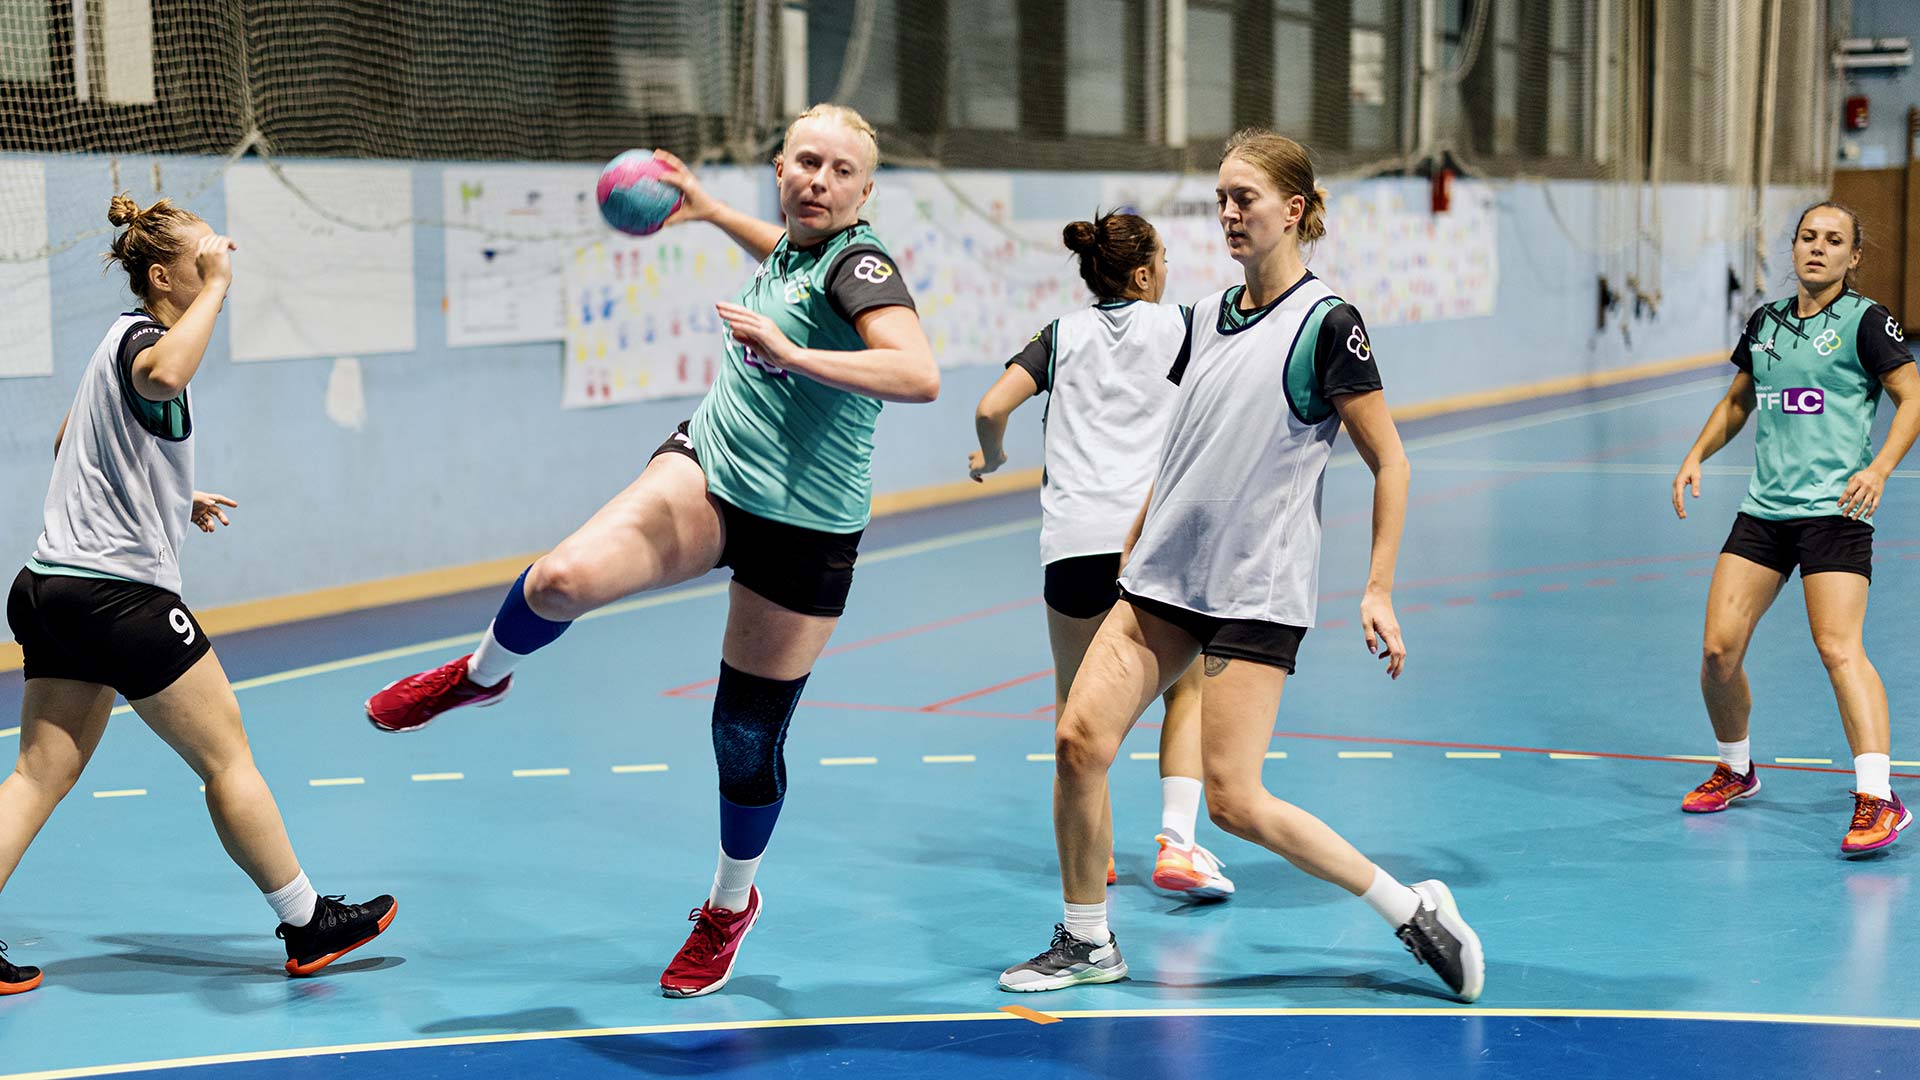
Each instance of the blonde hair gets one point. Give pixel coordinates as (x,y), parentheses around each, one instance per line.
(846,117)
(152,238)
(1288,165)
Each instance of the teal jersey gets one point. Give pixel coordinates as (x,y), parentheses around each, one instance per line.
(1816,384)
(776,443)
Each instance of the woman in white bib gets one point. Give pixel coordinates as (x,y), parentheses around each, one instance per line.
(1226,567)
(1103,369)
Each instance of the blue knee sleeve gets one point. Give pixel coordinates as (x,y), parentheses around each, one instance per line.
(750,719)
(517,628)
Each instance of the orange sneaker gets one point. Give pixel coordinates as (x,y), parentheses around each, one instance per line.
(16,979)
(1113,878)
(1191,870)
(1876,823)
(1721,789)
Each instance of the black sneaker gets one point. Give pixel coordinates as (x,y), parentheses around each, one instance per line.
(1069,961)
(1438,937)
(16,980)
(337,929)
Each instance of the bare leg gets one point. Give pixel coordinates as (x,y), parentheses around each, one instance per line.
(1741,592)
(1180,735)
(1836,611)
(200,719)
(1070,638)
(61,722)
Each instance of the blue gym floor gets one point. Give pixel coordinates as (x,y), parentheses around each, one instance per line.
(546,851)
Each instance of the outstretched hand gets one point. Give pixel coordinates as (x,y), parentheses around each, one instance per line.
(206,510)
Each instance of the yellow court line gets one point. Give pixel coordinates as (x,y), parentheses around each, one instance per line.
(430,777)
(337,781)
(542,772)
(1473,754)
(849,761)
(1276,755)
(947,759)
(1039,757)
(1369,754)
(1573,757)
(1901,764)
(639,768)
(1802,761)
(124,793)
(1144,755)
(1444,1012)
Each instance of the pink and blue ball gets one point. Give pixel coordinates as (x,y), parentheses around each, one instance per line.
(632,198)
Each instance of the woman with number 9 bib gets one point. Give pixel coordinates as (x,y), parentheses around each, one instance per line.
(771,477)
(98,610)
(1812,366)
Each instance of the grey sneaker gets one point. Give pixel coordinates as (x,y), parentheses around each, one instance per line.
(1069,961)
(1438,937)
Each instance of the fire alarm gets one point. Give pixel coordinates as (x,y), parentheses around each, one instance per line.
(1854,115)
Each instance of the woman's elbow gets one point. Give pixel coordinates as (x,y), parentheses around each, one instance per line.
(926,388)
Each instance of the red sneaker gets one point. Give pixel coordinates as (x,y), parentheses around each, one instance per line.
(409,703)
(1721,789)
(1876,823)
(705,962)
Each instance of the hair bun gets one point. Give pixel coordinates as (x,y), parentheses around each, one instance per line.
(1080,237)
(121,210)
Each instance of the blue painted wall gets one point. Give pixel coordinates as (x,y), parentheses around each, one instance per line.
(1889,93)
(466,455)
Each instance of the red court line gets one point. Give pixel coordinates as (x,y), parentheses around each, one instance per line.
(896,635)
(985,690)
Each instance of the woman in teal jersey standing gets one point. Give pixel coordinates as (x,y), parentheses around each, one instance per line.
(771,477)
(1812,366)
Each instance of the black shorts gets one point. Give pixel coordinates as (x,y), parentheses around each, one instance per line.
(137,638)
(1815,545)
(1273,644)
(803,570)
(1083,586)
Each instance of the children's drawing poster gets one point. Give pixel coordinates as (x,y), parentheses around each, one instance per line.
(509,232)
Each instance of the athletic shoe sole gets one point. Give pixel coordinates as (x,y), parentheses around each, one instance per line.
(1086,977)
(378,726)
(1473,960)
(1731,799)
(21,987)
(734,959)
(1906,819)
(1191,884)
(300,971)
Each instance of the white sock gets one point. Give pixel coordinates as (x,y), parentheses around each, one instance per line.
(491,661)
(1737,756)
(294,902)
(1870,775)
(733,883)
(1391,900)
(1088,922)
(1179,808)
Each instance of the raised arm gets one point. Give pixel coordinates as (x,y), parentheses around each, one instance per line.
(162,370)
(758,238)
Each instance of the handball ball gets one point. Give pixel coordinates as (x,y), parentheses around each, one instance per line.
(632,198)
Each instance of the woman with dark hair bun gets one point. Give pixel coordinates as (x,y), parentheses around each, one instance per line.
(1103,368)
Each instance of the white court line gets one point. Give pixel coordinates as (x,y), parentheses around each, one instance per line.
(4,732)
(124,793)
(639,768)
(337,781)
(1904,764)
(1694,757)
(947,759)
(1480,754)
(849,761)
(1603,468)
(1039,757)
(1276,755)
(1144,755)
(1366,754)
(1803,761)
(431,777)
(1574,757)
(542,772)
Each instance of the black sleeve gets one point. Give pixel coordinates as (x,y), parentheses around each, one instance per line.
(1037,357)
(138,339)
(864,278)
(1881,343)
(1185,354)
(1343,357)
(1742,357)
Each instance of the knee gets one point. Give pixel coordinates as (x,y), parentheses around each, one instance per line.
(1720,660)
(51,780)
(1233,808)
(559,586)
(1839,653)
(1081,749)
